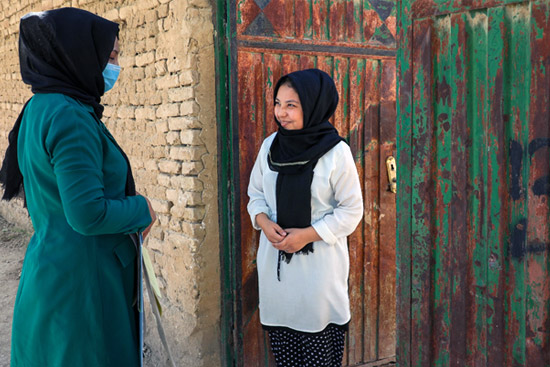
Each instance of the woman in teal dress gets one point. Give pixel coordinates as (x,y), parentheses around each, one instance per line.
(75,304)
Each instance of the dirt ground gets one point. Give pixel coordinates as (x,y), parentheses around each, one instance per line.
(13,242)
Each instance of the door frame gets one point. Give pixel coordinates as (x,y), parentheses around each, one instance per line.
(226,46)
(228,182)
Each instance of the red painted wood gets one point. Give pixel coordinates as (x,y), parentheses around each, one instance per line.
(303,19)
(355,242)
(538,211)
(458,201)
(337,20)
(372,208)
(362,108)
(497,177)
(421,216)
(386,238)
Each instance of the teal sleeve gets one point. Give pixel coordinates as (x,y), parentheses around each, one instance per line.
(76,154)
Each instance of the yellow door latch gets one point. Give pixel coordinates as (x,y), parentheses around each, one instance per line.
(392,174)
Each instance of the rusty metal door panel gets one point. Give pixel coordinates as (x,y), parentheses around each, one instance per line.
(473,211)
(366,117)
(354,42)
(364,24)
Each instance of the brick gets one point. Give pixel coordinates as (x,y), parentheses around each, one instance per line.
(151,16)
(193,214)
(126,12)
(173,138)
(188,77)
(157,192)
(163,180)
(153,98)
(167,110)
(146,4)
(163,11)
(189,108)
(167,23)
(161,126)
(187,153)
(188,214)
(175,225)
(191,137)
(181,94)
(182,123)
(112,15)
(150,72)
(196,230)
(140,46)
(160,206)
(187,183)
(167,81)
(124,112)
(191,198)
(146,113)
(172,195)
(151,165)
(174,65)
(145,59)
(157,139)
(167,166)
(191,168)
(137,73)
(200,3)
(151,44)
(160,67)
(141,34)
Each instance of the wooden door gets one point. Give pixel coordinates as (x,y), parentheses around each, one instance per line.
(474,188)
(354,42)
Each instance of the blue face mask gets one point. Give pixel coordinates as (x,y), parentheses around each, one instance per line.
(110,75)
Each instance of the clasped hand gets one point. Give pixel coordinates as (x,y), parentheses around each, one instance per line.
(289,240)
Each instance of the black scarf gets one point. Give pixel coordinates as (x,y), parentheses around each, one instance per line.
(61,51)
(294,153)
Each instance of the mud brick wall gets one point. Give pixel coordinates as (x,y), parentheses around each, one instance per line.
(162,112)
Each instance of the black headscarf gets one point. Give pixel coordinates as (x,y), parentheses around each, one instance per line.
(294,153)
(61,51)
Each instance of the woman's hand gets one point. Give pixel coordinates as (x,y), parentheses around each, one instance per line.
(296,239)
(272,230)
(153,218)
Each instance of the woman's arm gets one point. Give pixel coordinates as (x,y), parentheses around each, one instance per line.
(257,203)
(77,158)
(348,210)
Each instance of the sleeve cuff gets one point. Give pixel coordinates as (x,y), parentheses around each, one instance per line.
(257,211)
(324,232)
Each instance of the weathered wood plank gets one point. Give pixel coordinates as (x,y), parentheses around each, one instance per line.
(421,195)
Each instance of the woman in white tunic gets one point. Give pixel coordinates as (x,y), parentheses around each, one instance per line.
(305,197)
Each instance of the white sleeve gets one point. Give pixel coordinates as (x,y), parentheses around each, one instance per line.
(257,203)
(348,211)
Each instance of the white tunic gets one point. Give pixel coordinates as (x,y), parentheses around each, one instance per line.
(313,290)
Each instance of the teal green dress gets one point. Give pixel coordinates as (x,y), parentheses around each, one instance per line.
(74,305)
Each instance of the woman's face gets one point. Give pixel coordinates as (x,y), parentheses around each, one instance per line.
(113,58)
(288,109)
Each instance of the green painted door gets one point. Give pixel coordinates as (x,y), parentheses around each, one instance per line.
(473,183)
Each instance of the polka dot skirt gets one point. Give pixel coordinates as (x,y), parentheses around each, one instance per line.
(296,349)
